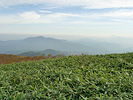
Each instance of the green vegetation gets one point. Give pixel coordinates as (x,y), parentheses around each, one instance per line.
(45,53)
(85,77)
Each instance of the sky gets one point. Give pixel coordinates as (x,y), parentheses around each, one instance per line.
(67,18)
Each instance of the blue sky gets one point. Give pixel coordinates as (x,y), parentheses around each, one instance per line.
(77,18)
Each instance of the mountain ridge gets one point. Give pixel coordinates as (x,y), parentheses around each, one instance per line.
(37,44)
(41,43)
(45,53)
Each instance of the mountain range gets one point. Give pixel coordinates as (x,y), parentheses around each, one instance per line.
(43,44)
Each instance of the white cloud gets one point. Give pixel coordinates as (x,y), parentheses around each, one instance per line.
(96,4)
(44,11)
(84,3)
(9,19)
(33,17)
(63,15)
(30,15)
(26,17)
(118,14)
(55,17)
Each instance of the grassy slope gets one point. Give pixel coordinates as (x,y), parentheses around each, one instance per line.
(99,77)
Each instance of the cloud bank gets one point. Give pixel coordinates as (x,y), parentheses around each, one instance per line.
(88,4)
(52,17)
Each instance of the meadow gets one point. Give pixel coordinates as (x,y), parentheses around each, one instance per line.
(85,77)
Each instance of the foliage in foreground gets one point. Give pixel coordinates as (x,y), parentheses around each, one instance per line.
(86,77)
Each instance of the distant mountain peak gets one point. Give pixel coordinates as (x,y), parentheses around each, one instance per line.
(37,37)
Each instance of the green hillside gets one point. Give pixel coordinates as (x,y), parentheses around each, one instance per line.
(45,52)
(85,77)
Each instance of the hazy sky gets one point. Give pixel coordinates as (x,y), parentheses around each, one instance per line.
(67,17)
